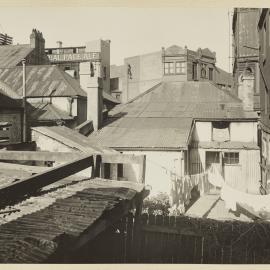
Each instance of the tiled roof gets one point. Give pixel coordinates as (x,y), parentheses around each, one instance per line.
(162,116)
(12,55)
(47,112)
(44,80)
(62,210)
(71,138)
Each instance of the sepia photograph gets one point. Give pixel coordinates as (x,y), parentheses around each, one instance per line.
(134,133)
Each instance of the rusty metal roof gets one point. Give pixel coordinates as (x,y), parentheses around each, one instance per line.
(61,212)
(44,80)
(12,55)
(162,116)
(72,138)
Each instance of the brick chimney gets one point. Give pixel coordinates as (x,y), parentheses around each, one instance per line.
(93,87)
(38,43)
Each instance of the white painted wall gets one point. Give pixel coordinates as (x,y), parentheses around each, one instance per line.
(45,143)
(159,164)
(243,132)
(239,131)
(62,103)
(202,131)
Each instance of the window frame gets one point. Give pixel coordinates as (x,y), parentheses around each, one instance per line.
(170,69)
(181,67)
(231,158)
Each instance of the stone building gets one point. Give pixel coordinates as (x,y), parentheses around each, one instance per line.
(264,65)
(246,56)
(139,73)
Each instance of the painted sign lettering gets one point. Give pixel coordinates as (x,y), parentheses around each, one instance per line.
(74,57)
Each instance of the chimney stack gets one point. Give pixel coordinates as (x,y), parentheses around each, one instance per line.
(59,44)
(93,87)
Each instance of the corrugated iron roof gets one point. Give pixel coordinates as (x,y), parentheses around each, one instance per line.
(150,133)
(110,98)
(72,139)
(44,80)
(221,76)
(162,117)
(229,145)
(32,234)
(12,55)
(47,112)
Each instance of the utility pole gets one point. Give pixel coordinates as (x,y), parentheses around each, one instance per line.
(24,103)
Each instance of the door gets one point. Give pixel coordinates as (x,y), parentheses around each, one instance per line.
(212,158)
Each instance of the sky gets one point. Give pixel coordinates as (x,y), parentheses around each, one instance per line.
(132,31)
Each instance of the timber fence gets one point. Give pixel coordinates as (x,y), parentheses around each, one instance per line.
(179,239)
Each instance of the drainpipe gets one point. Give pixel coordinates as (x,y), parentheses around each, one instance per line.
(24,103)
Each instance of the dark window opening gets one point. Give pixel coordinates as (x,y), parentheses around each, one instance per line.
(210,74)
(194,71)
(107,172)
(120,170)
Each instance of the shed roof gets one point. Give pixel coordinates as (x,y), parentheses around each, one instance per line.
(12,55)
(47,112)
(71,138)
(162,116)
(44,80)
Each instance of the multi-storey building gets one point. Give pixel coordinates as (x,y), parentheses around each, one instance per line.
(246,56)
(140,73)
(264,68)
(93,59)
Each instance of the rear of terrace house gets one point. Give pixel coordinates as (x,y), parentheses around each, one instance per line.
(183,128)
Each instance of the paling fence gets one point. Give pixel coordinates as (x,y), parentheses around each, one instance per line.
(179,239)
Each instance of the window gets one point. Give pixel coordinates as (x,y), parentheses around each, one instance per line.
(203,72)
(210,74)
(220,131)
(194,71)
(168,68)
(231,158)
(180,67)
(120,170)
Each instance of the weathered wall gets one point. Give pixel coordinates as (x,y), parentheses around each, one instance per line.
(159,166)
(244,176)
(146,72)
(15,131)
(239,132)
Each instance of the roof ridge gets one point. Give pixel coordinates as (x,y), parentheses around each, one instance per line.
(64,75)
(226,92)
(144,93)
